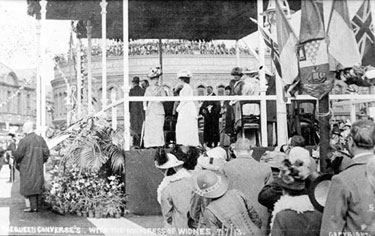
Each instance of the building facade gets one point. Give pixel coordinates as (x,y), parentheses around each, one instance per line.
(207,70)
(22,106)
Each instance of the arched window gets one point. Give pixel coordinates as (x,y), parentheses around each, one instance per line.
(167,89)
(201,90)
(221,90)
(9,104)
(28,102)
(19,104)
(60,99)
(109,95)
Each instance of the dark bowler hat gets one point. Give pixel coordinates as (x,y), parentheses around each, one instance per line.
(135,80)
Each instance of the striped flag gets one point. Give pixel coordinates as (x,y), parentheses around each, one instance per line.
(364,33)
(315,78)
(287,41)
(342,48)
(275,55)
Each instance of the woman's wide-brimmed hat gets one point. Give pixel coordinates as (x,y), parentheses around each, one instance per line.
(299,154)
(171,162)
(213,159)
(184,74)
(154,72)
(292,176)
(292,185)
(336,131)
(211,185)
(273,159)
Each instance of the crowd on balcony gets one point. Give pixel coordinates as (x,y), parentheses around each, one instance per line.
(136,47)
(184,47)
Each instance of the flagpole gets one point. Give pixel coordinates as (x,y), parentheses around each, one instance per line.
(262,77)
(281,114)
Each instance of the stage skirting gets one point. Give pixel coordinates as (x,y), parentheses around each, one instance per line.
(142,179)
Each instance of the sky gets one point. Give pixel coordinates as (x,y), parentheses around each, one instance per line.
(19,35)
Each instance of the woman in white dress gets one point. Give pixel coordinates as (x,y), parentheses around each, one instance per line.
(187,121)
(154,112)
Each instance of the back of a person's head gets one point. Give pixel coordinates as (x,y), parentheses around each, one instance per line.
(28,127)
(363,134)
(297,141)
(242,144)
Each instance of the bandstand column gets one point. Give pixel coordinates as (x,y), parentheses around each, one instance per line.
(103,5)
(262,77)
(43,77)
(237,54)
(79,80)
(38,76)
(114,109)
(126,74)
(89,66)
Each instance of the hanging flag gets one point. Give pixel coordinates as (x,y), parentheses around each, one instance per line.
(273,47)
(315,78)
(342,48)
(364,33)
(287,41)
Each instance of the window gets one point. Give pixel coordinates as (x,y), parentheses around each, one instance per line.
(19,104)
(9,104)
(221,90)
(167,90)
(28,108)
(112,92)
(201,90)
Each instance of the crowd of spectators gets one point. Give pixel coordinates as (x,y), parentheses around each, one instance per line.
(184,47)
(116,48)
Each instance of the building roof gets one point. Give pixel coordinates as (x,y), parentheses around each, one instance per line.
(4,70)
(18,77)
(165,19)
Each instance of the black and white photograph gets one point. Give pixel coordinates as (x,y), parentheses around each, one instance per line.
(187,117)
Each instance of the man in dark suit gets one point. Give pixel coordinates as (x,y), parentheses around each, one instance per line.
(137,114)
(211,113)
(350,205)
(32,152)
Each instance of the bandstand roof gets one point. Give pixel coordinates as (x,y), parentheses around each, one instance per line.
(165,19)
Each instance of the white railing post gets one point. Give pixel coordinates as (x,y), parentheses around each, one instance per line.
(103,5)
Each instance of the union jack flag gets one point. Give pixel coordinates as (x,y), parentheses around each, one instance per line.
(364,32)
(275,54)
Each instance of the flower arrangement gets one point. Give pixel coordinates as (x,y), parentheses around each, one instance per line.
(85,171)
